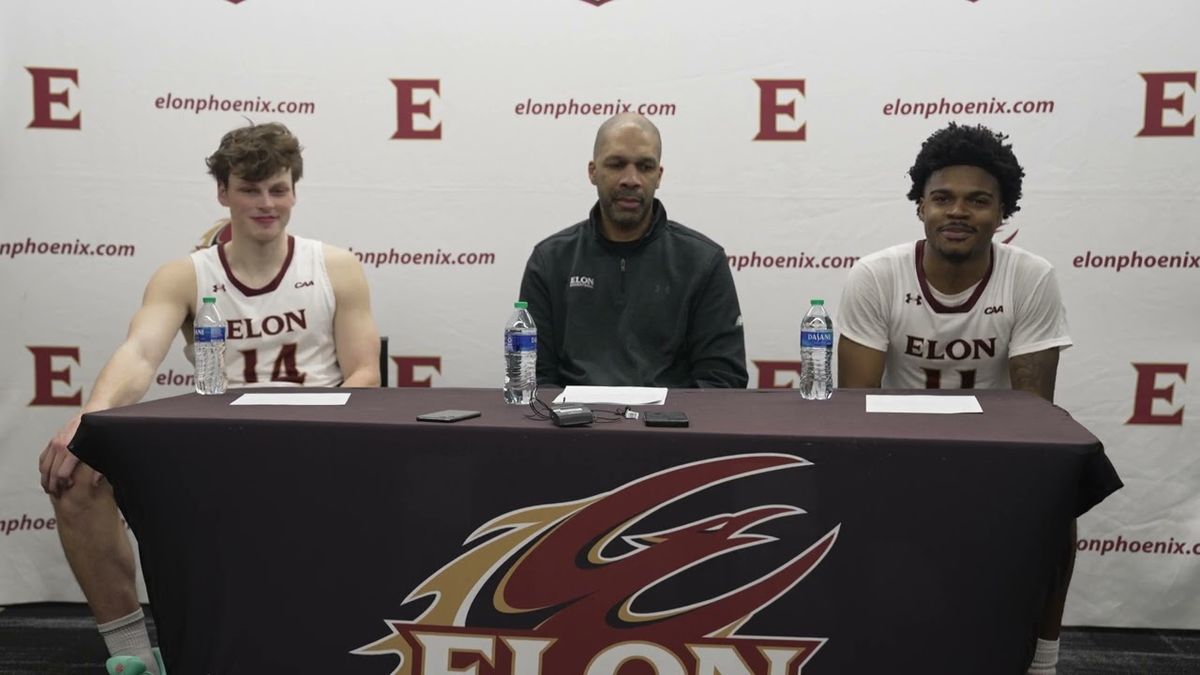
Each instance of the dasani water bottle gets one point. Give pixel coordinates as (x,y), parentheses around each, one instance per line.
(816,353)
(209,348)
(520,356)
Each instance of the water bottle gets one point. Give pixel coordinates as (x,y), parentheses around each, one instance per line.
(520,356)
(816,353)
(209,348)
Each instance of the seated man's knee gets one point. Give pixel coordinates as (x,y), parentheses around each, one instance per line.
(84,499)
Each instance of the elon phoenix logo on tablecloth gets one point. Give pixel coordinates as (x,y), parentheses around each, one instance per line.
(552,568)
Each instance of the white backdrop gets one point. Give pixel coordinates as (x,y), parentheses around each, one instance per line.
(1099,98)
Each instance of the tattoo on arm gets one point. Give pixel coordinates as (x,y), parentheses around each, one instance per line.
(1035,372)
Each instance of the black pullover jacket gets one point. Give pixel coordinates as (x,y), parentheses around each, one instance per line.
(661,311)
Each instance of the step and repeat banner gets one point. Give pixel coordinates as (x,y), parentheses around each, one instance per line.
(444,139)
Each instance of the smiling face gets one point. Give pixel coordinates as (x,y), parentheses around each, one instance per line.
(626,173)
(259,210)
(961,209)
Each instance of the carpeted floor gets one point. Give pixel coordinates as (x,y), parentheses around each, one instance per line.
(61,639)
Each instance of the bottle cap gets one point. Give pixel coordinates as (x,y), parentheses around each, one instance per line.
(817,301)
(521,305)
(209,300)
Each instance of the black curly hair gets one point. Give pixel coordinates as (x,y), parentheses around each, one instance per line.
(978,146)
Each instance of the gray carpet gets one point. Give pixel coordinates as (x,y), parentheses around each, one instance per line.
(61,639)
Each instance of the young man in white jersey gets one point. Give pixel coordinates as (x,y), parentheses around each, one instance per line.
(297,313)
(957,310)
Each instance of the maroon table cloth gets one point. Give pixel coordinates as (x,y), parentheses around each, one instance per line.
(774,535)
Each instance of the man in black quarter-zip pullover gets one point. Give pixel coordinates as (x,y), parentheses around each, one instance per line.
(628,297)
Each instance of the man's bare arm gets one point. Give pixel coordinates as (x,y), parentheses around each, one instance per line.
(859,366)
(126,376)
(354,333)
(1036,372)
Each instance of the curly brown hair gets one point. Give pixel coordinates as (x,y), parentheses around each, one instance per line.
(255,153)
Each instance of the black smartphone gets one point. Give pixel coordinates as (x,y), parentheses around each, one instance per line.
(448,416)
(665,418)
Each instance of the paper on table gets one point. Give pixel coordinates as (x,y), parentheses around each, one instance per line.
(919,403)
(614,395)
(312,398)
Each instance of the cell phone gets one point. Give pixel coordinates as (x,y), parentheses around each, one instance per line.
(665,418)
(448,416)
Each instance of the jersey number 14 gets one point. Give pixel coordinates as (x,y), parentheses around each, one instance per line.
(284,369)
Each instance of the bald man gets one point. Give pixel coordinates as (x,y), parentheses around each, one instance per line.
(628,297)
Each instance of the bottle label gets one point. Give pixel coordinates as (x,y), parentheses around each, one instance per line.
(210,333)
(520,343)
(816,338)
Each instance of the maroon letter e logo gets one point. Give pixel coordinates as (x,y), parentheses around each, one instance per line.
(767,373)
(407,109)
(769,110)
(406,370)
(1148,391)
(43,98)
(44,376)
(1157,104)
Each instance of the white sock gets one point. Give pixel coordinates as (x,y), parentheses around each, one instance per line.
(1045,658)
(127,636)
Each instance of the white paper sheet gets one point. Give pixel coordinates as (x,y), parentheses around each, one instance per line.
(920,403)
(312,398)
(613,395)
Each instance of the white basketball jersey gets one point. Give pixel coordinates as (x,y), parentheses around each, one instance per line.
(933,340)
(280,334)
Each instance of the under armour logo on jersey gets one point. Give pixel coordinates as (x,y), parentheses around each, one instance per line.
(218,288)
(910,298)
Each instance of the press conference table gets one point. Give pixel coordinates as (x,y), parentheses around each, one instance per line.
(772,535)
